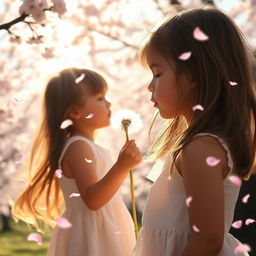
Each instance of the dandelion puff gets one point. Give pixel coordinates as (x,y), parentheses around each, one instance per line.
(132,118)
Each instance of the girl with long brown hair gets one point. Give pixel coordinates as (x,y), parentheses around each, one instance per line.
(202,85)
(65,161)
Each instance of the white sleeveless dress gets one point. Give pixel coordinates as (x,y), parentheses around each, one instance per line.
(106,232)
(165,224)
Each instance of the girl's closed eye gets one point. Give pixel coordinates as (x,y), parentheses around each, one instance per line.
(157,75)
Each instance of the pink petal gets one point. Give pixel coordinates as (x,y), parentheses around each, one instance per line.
(212,161)
(80,78)
(118,232)
(185,56)
(249,221)
(58,173)
(198,34)
(198,107)
(188,201)
(235,180)
(232,83)
(89,116)
(35,237)
(245,198)
(242,248)
(20,159)
(74,195)
(195,228)
(88,160)
(66,124)
(63,222)
(237,224)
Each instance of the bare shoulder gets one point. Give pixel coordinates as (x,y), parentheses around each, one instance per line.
(74,158)
(198,151)
(78,149)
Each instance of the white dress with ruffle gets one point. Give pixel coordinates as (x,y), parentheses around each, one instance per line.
(105,232)
(165,224)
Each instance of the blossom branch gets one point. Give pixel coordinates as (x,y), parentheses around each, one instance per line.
(21,18)
(114,38)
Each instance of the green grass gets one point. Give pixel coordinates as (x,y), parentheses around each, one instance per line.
(14,243)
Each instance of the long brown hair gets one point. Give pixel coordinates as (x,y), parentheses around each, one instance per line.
(213,63)
(42,198)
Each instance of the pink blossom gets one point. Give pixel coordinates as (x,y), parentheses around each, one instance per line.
(59,6)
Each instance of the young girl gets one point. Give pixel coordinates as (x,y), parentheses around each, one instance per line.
(101,223)
(203,86)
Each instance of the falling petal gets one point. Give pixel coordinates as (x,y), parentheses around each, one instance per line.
(66,124)
(35,237)
(188,201)
(198,107)
(80,78)
(212,161)
(195,228)
(232,83)
(88,160)
(245,198)
(199,34)
(20,159)
(249,221)
(185,56)
(89,116)
(63,222)
(74,195)
(118,232)
(58,173)
(237,224)
(242,248)
(235,180)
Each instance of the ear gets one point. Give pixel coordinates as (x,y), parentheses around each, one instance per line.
(74,113)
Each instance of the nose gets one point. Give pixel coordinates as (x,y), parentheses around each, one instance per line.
(150,87)
(108,103)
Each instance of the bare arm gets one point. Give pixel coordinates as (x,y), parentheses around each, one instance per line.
(96,193)
(205,184)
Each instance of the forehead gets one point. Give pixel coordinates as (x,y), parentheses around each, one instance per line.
(155,59)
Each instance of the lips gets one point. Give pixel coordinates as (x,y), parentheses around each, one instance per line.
(155,103)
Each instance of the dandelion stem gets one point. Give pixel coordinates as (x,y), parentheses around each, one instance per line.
(134,213)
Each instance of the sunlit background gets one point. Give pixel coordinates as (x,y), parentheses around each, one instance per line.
(102,35)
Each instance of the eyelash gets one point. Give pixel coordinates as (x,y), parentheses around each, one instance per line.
(156,76)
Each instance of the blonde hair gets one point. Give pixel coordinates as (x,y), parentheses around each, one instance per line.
(42,198)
